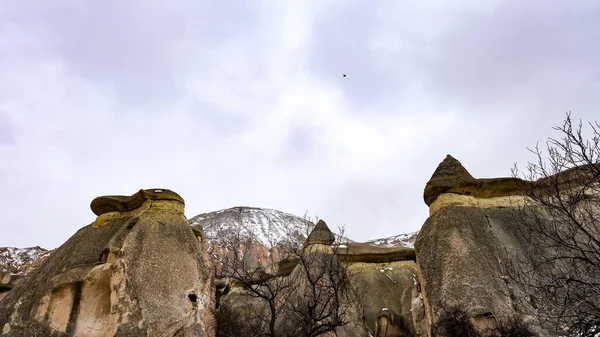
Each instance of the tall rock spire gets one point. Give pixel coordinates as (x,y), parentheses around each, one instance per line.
(103,281)
(449,173)
(321,234)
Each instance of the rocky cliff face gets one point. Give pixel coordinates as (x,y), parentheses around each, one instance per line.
(138,270)
(463,247)
(376,300)
(383,271)
(141,269)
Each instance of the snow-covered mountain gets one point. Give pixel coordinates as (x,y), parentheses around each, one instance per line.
(267,226)
(21,260)
(401,240)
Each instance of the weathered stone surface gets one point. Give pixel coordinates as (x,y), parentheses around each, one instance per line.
(451,177)
(461,258)
(121,203)
(138,270)
(319,259)
(362,252)
(456,255)
(463,247)
(390,324)
(385,287)
(452,199)
(7,282)
(293,291)
(321,234)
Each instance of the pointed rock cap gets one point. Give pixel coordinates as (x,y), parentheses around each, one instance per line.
(321,234)
(449,174)
(121,203)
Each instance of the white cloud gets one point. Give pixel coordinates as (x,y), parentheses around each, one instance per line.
(247,105)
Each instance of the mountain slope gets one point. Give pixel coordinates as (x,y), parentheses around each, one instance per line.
(267,226)
(21,260)
(401,240)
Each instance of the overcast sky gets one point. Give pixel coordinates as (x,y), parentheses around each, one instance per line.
(244,103)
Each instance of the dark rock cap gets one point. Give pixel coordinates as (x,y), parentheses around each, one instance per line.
(321,234)
(451,177)
(121,203)
(449,173)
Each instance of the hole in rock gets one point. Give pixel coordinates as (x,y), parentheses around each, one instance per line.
(193,298)
(104,256)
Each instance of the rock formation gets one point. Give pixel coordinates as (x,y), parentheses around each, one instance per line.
(7,282)
(319,260)
(137,270)
(320,235)
(384,277)
(462,248)
(140,269)
(316,265)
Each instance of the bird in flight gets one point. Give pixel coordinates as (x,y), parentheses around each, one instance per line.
(343,75)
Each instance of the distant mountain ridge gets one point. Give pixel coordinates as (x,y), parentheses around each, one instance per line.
(401,240)
(268,227)
(21,260)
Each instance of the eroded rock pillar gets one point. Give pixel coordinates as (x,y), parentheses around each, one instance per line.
(137,270)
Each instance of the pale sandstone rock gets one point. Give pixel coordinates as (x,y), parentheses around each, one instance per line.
(463,246)
(138,270)
(387,286)
(320,254)
(452,199)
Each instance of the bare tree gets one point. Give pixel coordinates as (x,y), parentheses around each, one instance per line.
(300,291)
(238,263)
(561,220)
(323,295)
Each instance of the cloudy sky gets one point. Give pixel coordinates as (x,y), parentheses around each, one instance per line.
(245,103)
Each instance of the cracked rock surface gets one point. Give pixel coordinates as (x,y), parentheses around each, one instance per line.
(138,270)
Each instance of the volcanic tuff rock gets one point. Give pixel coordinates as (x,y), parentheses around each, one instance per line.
(138,270)
(451,177)
(385,290)
(7,282)
(267,227)
(320,235)
(387,264)
(463,247)
(294,290)
(320,259)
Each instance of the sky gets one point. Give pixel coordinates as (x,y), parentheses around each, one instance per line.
(244,103)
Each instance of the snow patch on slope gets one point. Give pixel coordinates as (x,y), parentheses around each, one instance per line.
(267,226)
(18,260)
(401,240)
